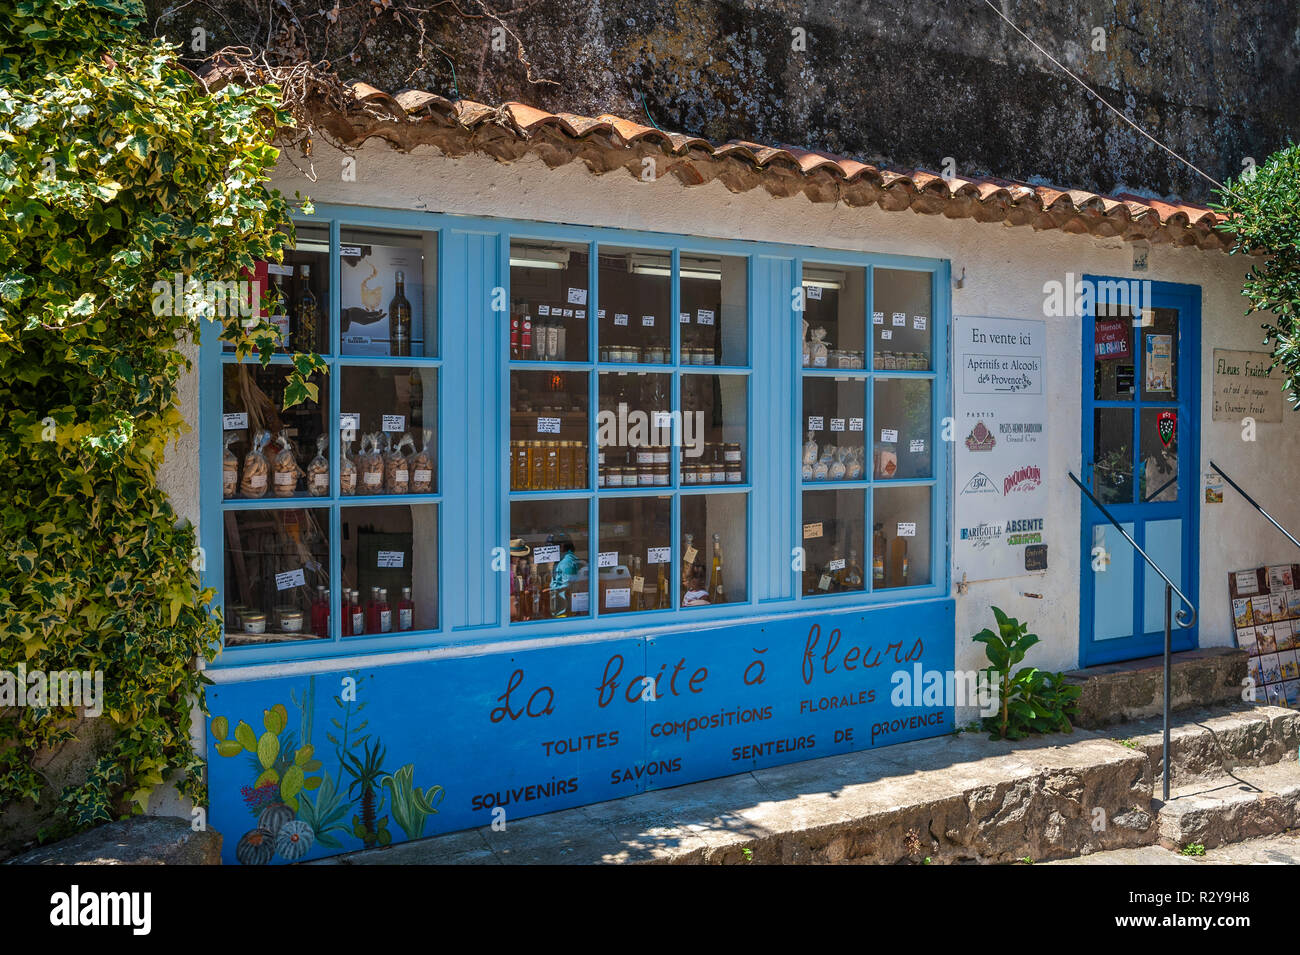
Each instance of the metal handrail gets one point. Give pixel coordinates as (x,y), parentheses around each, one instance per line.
(1186,618)
(1255,504)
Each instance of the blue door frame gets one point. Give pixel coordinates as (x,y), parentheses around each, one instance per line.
(1145,636)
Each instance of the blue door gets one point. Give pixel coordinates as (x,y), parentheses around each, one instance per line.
(1141,401)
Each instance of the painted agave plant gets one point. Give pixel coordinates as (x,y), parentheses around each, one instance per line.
(367,772)
(411,806)
(325,813)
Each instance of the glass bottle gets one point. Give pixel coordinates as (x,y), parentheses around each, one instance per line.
(308,313)
(524,595)
(278,311)
(385,613)
(661,589)
(543,595)
(580,464)
(906,566)
(372,612)
(345,625)
(688,563)
(320,611)
(406,611)
(635,603)
(399,318)
(716,595)
(564,470)
(851,578)
(878,556)
(551,476)
(358,614)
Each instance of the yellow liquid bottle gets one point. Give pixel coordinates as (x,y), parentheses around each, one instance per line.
(715,582)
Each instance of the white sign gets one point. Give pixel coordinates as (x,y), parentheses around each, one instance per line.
(620,318)
(815,423)
(704,316)
(391,559)
(899,319)
(647,321)
(548,425)
(349,421)
(235,421)
(1000,448)
(907,530)
(814,292)
(577,296)
(837,424)
(395,423)
(855,424)
(1244,386)
(290,578)
(684,318)
(658,555)
(618,597)
(812,531)
(546,554)
(877,318)
(888,436)
(608,558)
(918,322)
(886,334)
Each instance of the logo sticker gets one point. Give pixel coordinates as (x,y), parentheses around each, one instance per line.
(1167,423)
(980,438)
(980,483)
(1022,479)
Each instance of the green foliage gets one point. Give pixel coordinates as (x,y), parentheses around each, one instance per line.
(1192,849)
(276,759)
(1264,211)
(1031,700)
(411,806)
(117,171)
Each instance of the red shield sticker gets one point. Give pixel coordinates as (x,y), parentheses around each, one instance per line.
(1167,424)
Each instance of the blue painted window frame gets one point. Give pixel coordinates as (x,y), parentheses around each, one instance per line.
(473,499)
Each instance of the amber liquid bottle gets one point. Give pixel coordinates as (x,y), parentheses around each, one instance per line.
(662,590)
(878,557)
(399,319)
(688,560)
(635,603)
(716,595)
(307,314)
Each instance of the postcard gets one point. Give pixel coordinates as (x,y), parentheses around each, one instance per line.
(1259,609)
(1241,612)
(1265,639)
(1279,578)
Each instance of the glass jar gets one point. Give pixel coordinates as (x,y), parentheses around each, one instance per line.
(661,453)
(731,453)
(734,473)
(291,621)
(660,474)
(690,474)
(254,621)
(645,456)
(645,475)
(604,353)
(718,472)
(611,477)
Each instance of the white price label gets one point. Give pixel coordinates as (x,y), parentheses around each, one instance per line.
(907,530)
(816,424)
(877,318)
(638,585)
(837,424)
(548,425)
(658,555)
(888,436)
(608,559)
(855,424)
(814,293)
(618,597)
(917,446)
(683,318)
(899,319)
(812,531)
(275,268)
(350,251)
(290,578)
(581,601)
(577,296)
(579,313)
(819,361)
(395,422)
(546,554)
(837,564)
(690,555)
(620,318)
(704,316)
(233,422)
(825,582)
(568,313)
(391,558)
(918,322)
(647,321)
(543,310)
(423,475)
(661,419)
(600,313)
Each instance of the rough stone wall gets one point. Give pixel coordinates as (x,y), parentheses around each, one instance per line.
(906,82)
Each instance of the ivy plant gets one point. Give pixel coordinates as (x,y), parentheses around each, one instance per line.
(118,171)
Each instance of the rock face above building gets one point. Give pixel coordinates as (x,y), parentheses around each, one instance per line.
(894,81)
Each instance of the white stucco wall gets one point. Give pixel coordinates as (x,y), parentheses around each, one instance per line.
(1005,272)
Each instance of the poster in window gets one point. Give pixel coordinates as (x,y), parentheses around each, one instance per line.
(1159,364)
(382,300)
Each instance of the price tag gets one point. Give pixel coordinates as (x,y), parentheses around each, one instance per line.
(886,334)
(607,559)
(814,292)
(350,251)
(877,318)
(395,422)
(548,425)
(233,422)
(568,313)
(819,361)
(812,531)
(855,424)
(658,555)
(423,476)
(907,530)
(350,421)
(546,554)
(888,436)
(684,318)
(581,601)
(816,424)
(837,424)
(661,419)
(647,321)
(704,316)
(275,268)
(837,564)
(543,310)
(825,582)
(618,597)
(900,319)
(690,555)
(577,296)
(620,318)
(917,446)
(918,322)
(580,313)
(391,558)
(600,313)
(638,585)
(290,578)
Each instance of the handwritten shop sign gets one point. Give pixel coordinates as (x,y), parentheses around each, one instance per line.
(550,728)
(1244,387)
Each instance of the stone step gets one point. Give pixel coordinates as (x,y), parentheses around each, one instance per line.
(1205,744)
(1134,690)
(1252,801)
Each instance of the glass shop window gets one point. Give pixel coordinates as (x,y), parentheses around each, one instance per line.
(635,302)
(388,302)
(549,318)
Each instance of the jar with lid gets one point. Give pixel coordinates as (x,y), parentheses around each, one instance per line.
(645,474)
(291,621)
(611,476)
(661,453)
(734,473)
(718,472)
(731,453)
(660,474)
(690,474)
(253,621)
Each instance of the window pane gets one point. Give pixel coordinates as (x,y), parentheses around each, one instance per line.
(901,537)
(1159,354)
(634,429)
(901,312)
(833,544)
(550,556)
(393,413)
(902,412)
(548,291)
(1114,370)
(296,295)
(833,410)
(389,295)
(390,569)
(635,554)
(714,310)
(714,432)
(1158,432)
(1112,455)
(277,569)
(548,430)
(834,318)
(271,450)
(635,303)
(715,541)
